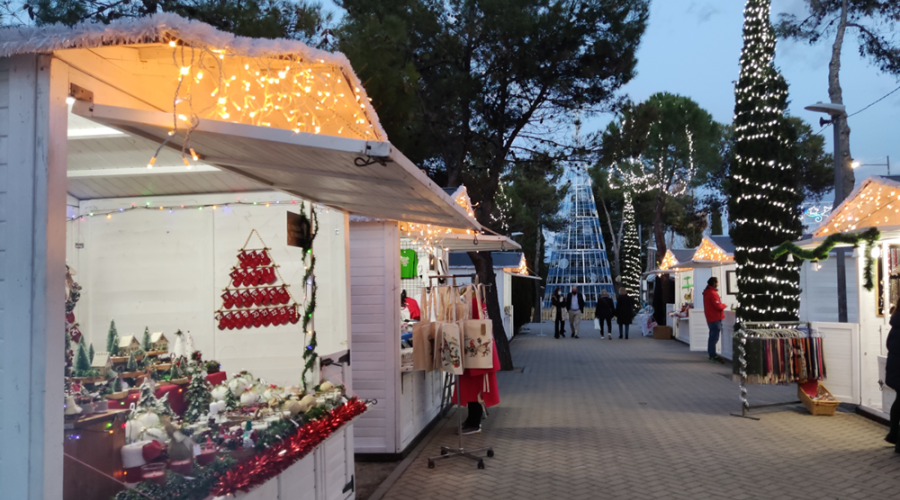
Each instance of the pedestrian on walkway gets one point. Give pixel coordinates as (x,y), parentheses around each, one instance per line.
(892,376)
(606,309)
(575,304)
(624,311)
(559,306)
(714,310)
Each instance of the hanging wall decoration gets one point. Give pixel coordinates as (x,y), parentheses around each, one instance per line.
(257,295)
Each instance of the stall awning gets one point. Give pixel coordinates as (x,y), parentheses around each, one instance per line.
(363,177)
(482,243)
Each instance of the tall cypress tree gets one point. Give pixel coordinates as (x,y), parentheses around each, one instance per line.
(631,251)
(764,192)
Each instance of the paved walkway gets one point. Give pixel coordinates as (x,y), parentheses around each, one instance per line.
(641,419)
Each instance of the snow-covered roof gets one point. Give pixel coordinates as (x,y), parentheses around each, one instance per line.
(101,359)
(163,28)
(127,341)
(157,336)
(871,204)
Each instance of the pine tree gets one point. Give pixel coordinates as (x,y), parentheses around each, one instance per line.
(198,396)
(764,195)
(231,402)
(82,362)
(631,251)
(117,384)
(112,339)
(145,342)
(91,353)
(132,364)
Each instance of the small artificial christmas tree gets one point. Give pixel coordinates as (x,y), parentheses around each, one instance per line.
(117,384)
(231,402)
(163,407)
(198,396)
(131,366)
(631,251)
(764,198)
(145,342)
(82,362)
(91,353)
(112,339)
(147,400)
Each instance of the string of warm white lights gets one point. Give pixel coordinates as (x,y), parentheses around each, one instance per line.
(109,213)
(765,199)
(294,93)
(631,251)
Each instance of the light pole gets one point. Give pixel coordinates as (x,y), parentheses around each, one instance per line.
(837,112)
(857,164)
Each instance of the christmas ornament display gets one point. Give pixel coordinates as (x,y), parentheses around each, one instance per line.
(257,295)
(282,454)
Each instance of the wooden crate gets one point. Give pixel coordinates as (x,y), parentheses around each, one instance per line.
(818,407)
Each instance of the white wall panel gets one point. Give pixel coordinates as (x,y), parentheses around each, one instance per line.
(841,344)
(167,270)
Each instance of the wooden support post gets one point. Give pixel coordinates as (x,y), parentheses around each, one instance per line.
(33,89)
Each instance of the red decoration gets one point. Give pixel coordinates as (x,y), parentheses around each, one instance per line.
(277,458)
(250,292)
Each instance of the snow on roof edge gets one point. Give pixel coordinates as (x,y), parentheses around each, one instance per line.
(154,29)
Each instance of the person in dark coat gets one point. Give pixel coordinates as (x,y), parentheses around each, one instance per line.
(624,311)
(606,309)
(892,376)
(557,301)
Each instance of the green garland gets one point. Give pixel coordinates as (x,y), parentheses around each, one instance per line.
(869,236)
(309,352)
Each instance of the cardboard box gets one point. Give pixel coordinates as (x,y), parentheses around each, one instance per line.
(662,332)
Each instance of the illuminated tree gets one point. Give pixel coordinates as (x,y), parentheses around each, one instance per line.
(764,192)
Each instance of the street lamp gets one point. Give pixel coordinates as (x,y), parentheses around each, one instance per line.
(837,112)
(856,164)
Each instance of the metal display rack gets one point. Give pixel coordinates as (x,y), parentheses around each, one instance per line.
(742,359)
(460,451)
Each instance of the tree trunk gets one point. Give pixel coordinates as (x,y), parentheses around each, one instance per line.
(659,232)
(538,299)
(484,266)
(835,93)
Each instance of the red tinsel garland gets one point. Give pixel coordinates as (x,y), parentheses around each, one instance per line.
(286,452)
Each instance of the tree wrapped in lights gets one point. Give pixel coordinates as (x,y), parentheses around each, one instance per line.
(764,192)
(631,251)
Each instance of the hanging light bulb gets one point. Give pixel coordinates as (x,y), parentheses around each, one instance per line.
(876,252)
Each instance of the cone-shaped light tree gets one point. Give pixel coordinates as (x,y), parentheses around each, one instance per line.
(631,251)
(764,192)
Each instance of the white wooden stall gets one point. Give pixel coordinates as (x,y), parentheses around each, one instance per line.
(408,402)
(82,111)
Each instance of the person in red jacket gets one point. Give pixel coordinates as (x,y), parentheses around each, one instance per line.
(714,310)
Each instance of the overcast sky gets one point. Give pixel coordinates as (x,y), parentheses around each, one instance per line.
(692,48)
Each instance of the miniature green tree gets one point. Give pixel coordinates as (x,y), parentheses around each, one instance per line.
(112,339)
(231,402)
(145,342)
(198,396)
(132,364)
(82,362)
(147,399)
(91,353)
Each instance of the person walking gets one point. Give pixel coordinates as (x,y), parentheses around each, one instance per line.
(624,311)
(558,302)
(606,309)
(714,310)
(575,304)
(892,377)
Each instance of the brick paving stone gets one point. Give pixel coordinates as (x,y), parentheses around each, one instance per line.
(642,418)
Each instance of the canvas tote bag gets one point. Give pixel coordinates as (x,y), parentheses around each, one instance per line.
(423,337)
(450,340)
(478,337)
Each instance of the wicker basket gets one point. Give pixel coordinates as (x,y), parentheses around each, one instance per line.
(818,407)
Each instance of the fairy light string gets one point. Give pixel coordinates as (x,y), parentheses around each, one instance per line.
(764,200)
